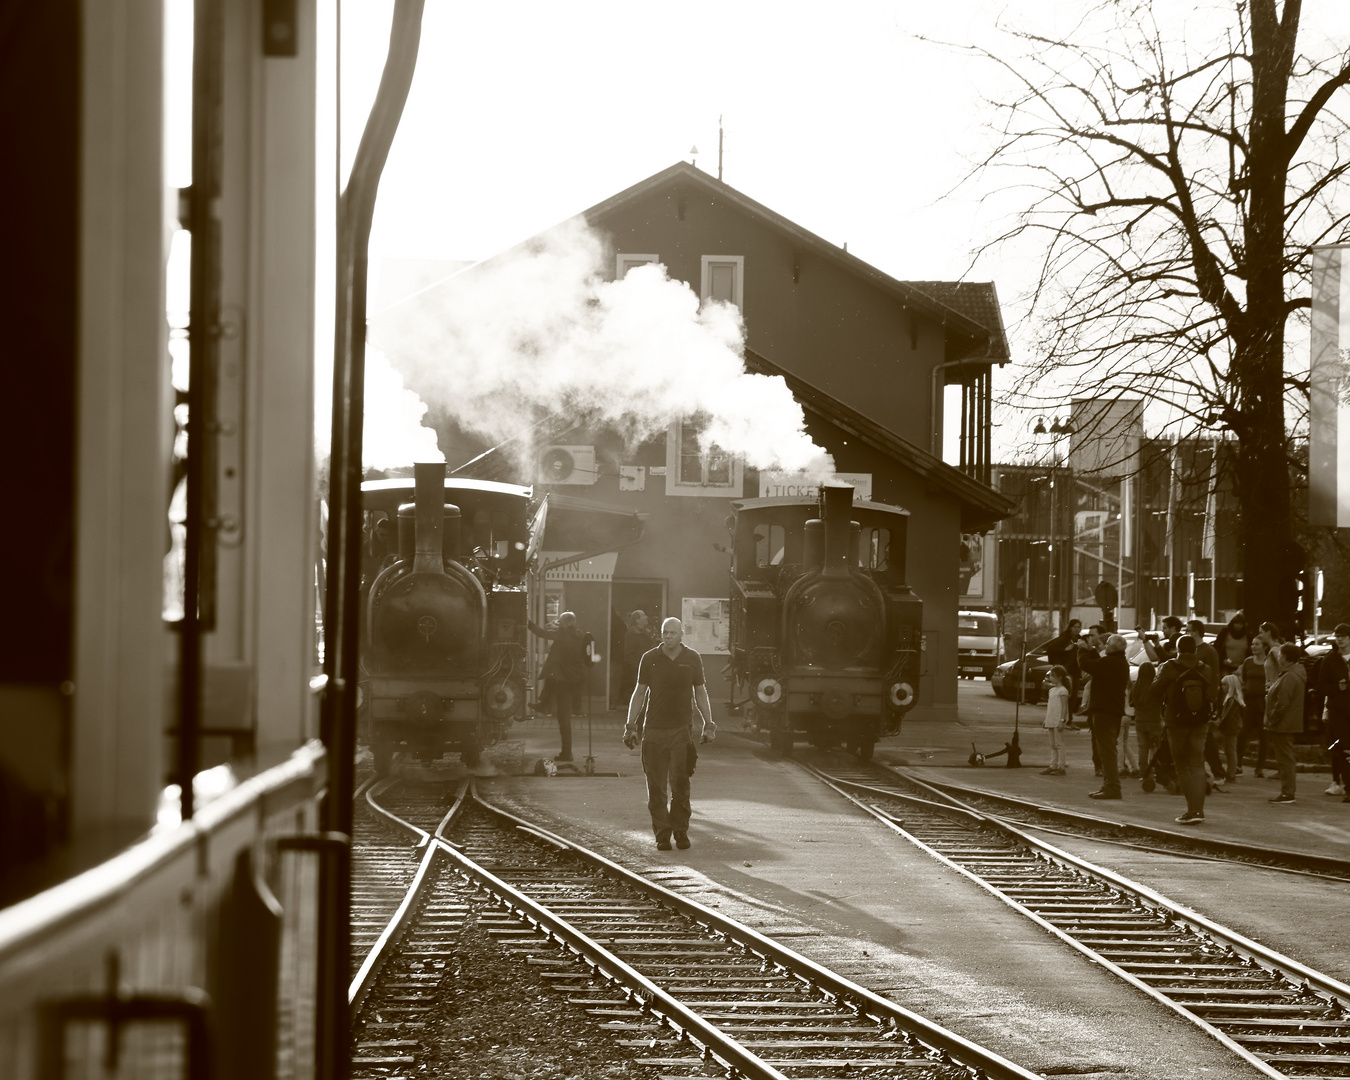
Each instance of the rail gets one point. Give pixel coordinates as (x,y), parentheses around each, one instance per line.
(1324,999)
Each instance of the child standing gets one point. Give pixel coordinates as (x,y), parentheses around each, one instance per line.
(1056,716)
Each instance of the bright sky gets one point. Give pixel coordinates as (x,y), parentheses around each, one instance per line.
(838,116)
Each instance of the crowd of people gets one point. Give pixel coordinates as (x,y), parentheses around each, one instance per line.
(1194,709)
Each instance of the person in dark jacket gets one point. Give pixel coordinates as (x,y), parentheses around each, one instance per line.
(567,668)
(1110,675)
(1185,734)
(1284,716)
(1160,652)
(1333,689)
(1062,649)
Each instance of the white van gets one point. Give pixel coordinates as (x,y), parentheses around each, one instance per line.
(979,649)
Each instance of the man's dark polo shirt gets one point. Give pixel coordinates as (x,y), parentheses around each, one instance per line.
(672,685)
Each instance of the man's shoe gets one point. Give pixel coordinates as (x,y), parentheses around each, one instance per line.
(663,843)
(1336,789)
(562,757)
(1282,798)
(681,840)
(1103,794)
(1190,819)
(1047,772)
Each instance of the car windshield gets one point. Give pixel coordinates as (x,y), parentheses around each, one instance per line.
(981,625)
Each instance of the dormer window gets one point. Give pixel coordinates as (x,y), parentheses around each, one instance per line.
(723,279)
(625,262)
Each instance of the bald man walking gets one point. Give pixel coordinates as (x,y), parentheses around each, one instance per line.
(669,687)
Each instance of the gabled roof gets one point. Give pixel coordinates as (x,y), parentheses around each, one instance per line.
(981,506)
(969,308)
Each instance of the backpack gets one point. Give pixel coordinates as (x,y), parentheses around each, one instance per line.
(1188,700)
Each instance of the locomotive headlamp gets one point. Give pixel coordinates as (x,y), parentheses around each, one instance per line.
(902,694)
(769,691)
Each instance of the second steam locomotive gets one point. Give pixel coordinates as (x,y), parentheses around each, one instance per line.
(444,614)
(824,629)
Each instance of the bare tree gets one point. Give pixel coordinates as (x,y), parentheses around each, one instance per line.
(1176,189)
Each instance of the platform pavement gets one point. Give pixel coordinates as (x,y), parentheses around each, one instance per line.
(775,849)
(1316,823)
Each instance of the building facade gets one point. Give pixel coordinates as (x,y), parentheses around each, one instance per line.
(868,358)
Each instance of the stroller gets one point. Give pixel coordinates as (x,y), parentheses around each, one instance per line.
(1160,769)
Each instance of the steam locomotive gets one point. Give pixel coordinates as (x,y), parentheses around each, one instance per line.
(824,629)
(443,614)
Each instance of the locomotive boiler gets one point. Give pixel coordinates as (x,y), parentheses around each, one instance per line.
(824,629)
(444,614)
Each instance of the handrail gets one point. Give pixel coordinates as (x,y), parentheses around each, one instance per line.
(49,913)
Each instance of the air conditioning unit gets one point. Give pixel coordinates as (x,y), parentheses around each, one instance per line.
(566,465)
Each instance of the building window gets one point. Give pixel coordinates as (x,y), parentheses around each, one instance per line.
(623,263)
(696,467)
(723,279)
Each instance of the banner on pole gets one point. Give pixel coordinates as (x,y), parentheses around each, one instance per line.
(1329,376)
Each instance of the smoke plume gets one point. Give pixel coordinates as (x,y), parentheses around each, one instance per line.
(540,333)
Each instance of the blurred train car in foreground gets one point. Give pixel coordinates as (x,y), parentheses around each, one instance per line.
(133,943)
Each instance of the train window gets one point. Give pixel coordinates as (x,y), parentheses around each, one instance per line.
(769,545)
(876,549)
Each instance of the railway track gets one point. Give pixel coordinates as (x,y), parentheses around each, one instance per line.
(1282,1017)
(684,990)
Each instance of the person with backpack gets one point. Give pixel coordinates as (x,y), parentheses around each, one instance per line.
(1284,716)
(1182,688)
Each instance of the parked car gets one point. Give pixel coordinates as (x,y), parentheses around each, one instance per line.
(1004,680)
(978,645)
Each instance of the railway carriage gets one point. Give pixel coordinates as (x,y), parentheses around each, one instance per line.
(825,631)
(444,609)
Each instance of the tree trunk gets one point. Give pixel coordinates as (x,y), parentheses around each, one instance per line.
(1271,558)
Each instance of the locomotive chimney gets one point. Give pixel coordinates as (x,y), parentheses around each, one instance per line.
(837,510)
(429,495)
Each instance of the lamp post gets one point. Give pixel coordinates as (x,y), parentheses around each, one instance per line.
(1057,430)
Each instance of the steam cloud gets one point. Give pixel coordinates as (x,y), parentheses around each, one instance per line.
(504,346)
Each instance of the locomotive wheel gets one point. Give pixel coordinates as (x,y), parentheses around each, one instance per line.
(780,742)
(864,750)
(471,755)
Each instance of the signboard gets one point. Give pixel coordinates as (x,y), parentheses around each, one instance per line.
(774,484)
(977,577)
(706,624)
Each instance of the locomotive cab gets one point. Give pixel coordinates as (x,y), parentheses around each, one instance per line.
(825,632)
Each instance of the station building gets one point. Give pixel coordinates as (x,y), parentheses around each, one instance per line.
(867,356)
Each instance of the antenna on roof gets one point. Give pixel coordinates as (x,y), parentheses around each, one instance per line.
(693,156)
(719,146)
